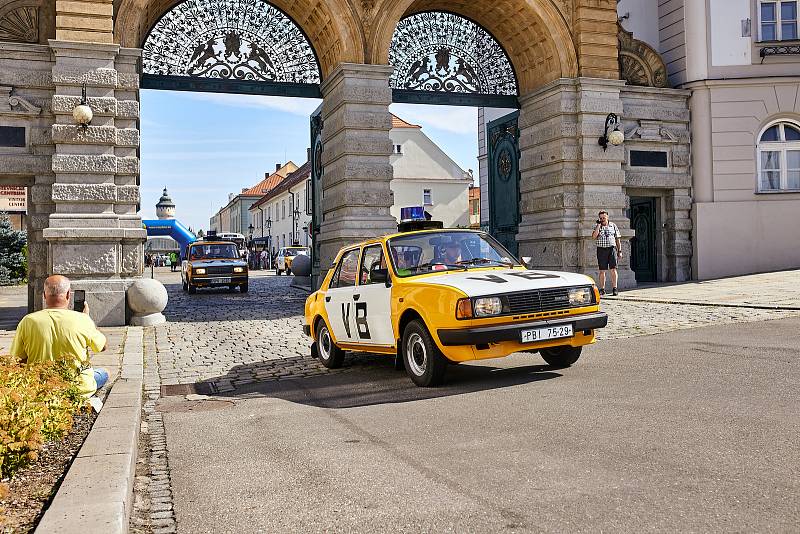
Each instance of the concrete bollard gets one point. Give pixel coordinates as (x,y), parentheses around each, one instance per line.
(147,298)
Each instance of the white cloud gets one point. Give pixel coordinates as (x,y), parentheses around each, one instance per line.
(296,106)
(454,119)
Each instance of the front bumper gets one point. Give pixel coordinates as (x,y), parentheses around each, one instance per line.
(206,281)
(511,332)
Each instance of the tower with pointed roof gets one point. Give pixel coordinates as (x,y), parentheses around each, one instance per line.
(165,209)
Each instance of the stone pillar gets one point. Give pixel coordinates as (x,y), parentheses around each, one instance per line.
(356,195)
(95,235)
(567,177)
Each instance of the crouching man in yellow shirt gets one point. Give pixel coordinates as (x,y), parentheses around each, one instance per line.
(58,333)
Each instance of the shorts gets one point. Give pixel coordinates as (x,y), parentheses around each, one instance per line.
(607,258)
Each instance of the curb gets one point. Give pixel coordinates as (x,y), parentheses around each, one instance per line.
(96,494)
(704,303)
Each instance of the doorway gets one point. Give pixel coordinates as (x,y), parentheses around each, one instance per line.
(644,254)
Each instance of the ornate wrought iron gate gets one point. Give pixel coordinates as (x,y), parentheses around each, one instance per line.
(643,245)
(316,194)
(504,194)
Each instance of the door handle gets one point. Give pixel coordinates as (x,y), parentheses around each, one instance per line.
(327,299)
(356,297)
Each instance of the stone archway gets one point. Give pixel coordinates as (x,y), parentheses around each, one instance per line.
(331,26)
(534,34)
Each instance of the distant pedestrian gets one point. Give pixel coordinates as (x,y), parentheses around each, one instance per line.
(264,259)
(173,261)
(609,249)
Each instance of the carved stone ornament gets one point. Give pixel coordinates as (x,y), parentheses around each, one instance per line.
(639,63)
(20,24)
(15,105)
(651,131)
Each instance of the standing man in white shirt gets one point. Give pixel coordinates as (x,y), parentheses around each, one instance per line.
(609,249)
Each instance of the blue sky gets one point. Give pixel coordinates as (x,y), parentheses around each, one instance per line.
(202,146)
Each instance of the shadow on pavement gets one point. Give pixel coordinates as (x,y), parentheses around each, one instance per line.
(11,316)
(379,383)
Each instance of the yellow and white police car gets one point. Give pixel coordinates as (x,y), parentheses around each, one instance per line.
(431,297)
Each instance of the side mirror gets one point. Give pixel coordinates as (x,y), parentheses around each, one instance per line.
(379,276)
(526,261)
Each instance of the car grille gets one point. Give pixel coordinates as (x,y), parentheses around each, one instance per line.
(538,301)
(219,270)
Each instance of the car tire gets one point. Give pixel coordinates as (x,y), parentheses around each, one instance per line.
(330,355)
(191,289)
(288,272)
(183,283)
(561,357)
(277,272)
(425,364)
(243,288)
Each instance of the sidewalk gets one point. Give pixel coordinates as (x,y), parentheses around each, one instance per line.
(773,291)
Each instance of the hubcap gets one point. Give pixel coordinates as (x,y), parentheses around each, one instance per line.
(325,344)
(416,355)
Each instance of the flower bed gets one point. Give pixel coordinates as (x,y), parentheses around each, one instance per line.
(38,404)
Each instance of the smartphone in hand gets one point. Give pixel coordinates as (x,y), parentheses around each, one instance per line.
(79,300)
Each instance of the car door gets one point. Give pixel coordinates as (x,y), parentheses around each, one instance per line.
(339,298)
(372,299)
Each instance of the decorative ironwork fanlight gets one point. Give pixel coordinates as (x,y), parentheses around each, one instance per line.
(247,40)
(443,52)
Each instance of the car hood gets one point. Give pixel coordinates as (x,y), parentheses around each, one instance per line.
(476,282)
(217,263)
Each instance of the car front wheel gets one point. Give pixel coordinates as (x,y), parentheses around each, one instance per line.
(330,355)
(192,290)
(561,357)
(425,364)
(243,288)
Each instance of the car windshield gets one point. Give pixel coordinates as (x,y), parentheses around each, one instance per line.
(214,250)
(440,251)
(294,251)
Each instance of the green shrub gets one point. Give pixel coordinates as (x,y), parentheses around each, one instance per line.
(13,265)
(37,404)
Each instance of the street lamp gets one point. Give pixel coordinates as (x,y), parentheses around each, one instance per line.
(616,137)
(295,221)
(82,114)
(250,238)
(269,241)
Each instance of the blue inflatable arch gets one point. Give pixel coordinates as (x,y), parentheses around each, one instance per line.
(170,228)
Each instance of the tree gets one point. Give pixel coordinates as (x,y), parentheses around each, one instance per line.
(12,252)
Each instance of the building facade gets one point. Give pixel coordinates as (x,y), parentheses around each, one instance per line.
(235,215)
(557,61)
(282,214)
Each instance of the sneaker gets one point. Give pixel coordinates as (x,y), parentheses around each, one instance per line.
(602,291)
(615,292)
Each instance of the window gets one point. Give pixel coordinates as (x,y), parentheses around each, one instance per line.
(345,275)
(398,149)
(779,158)
(283,210)
(778,20)
(426,197)
(371,259)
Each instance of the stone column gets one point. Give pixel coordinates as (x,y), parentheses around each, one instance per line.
(95,235)
(356,195)
(567,177)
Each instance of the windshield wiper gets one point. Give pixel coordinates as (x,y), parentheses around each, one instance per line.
(480,261)
(428,265)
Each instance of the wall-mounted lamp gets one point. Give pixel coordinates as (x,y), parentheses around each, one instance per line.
(83,113)
(616,137)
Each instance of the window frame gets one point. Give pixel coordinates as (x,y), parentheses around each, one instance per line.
(783,147)
(429,194)
(363,257)
(778,21)
(334,284)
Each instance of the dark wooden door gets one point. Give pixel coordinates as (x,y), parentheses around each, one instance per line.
(643,246)
(504,196)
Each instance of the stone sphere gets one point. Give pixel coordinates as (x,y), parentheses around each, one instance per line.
(82,114)
(147,296)
(301,265)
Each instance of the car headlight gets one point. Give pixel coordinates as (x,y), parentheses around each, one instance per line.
(238,269)
(200,271)
(487,306)
(580,296)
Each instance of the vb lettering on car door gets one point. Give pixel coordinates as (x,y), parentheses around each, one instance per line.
(372,299)
(339,298)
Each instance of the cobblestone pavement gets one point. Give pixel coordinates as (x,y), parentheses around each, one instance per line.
(232,339)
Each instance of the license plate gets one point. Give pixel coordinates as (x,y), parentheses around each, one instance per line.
(543,334)
(221,281)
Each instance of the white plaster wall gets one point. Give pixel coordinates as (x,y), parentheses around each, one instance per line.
(734,238)
(450,199)
(642,19)
(421,157)
(728,47)
(282,226)
(696,33)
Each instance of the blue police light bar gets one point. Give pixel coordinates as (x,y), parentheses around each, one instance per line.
(412,213)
